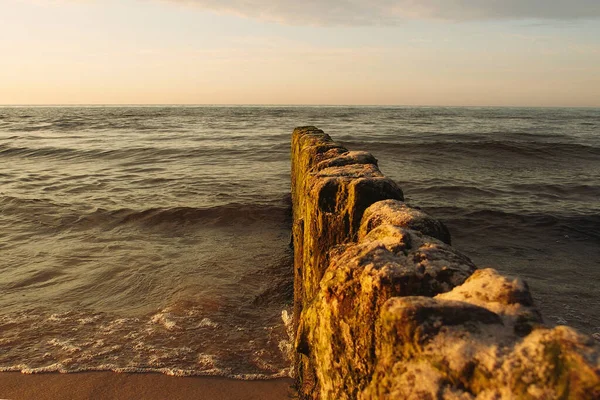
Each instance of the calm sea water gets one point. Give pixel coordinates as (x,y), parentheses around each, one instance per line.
(156,238)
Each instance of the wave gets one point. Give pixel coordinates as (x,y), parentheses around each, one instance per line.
(152,154)
(490,148)
(179,372)
(578,192)
(569,190)
(160,341)
(85,154)
(230,214)
(224,215)
(578,226)
(440,189)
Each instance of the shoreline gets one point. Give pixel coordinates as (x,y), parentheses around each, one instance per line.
(149,386)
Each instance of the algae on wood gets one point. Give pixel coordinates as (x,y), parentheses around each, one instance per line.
(385,308)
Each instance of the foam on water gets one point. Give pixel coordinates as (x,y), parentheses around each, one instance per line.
(169,342)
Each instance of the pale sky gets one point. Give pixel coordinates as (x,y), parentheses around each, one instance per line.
(392,52)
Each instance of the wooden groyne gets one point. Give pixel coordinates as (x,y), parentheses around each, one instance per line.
(384,307)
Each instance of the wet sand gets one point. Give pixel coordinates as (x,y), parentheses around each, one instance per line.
(121,386)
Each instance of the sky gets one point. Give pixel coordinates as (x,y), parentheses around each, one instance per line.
(377,52)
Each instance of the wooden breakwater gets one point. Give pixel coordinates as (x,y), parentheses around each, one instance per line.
(384,307)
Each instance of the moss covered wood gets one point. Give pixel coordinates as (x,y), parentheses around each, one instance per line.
(384,307)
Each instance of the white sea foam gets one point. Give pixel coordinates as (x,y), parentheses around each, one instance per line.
(207,322)
(206,360)
(170,341)
(286,345)
(225,372)
(65,345)
(165,319)
(89,320)
(57,317)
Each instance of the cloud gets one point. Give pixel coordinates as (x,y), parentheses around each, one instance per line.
(363,12)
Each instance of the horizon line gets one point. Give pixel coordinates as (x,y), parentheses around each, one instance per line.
(281,105)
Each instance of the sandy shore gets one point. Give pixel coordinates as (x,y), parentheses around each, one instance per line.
(110,385)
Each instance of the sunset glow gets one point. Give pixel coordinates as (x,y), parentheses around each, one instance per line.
(527,53)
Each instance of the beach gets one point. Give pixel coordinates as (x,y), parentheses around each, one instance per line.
(116,386)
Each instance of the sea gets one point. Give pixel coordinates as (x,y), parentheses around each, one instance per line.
(157,238)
